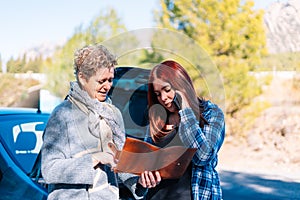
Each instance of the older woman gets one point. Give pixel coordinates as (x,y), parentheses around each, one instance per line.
(76,159)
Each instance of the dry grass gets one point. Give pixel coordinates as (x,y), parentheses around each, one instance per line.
(13,90)
(269,146)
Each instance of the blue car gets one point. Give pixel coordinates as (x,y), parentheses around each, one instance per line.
(21,133)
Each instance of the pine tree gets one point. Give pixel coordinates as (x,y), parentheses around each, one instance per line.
(232,33)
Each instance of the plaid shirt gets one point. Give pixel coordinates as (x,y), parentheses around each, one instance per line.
(205,180)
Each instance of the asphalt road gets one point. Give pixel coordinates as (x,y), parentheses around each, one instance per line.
(245,186)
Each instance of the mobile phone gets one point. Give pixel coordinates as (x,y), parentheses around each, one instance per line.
(177,101)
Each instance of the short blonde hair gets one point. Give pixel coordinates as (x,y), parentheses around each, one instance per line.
(92,57)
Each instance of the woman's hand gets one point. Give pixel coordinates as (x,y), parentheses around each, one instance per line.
(184,102)
(149,179)
(105,158)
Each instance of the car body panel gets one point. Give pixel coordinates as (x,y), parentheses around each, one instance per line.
(15,184)
(21,133)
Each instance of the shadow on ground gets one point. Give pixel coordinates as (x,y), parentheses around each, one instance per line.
(245,186)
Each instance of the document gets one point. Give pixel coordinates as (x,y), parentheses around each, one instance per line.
(138,156)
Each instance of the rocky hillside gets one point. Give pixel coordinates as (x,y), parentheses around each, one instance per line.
(282,22)
(272,145)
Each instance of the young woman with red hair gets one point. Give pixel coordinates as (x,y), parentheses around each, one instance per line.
(177,116)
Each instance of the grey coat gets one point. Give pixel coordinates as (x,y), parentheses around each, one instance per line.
(67,158)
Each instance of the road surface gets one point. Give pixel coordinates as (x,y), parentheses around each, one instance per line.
(246,186)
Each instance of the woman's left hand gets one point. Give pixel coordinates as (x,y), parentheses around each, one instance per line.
(149,179)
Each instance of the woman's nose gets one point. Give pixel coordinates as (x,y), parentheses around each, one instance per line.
(107,85)
(164,96)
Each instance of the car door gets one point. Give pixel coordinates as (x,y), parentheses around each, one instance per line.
(20,143)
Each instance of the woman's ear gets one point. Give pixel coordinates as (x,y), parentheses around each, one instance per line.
(81,79)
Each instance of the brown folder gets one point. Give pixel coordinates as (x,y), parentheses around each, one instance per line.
(138,156)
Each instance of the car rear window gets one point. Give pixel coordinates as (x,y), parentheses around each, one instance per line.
(22,137)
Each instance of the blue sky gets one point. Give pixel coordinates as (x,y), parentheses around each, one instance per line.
(26,24)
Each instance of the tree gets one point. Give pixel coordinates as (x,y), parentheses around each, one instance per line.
(60,70)
(23,65)
(231,32)
(151,56)
(16,66)
(34,65)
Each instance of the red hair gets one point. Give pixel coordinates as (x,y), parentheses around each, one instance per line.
(172,72)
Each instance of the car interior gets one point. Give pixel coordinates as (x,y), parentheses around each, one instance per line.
(129,94)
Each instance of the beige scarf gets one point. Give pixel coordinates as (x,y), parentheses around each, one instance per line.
(104,119)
